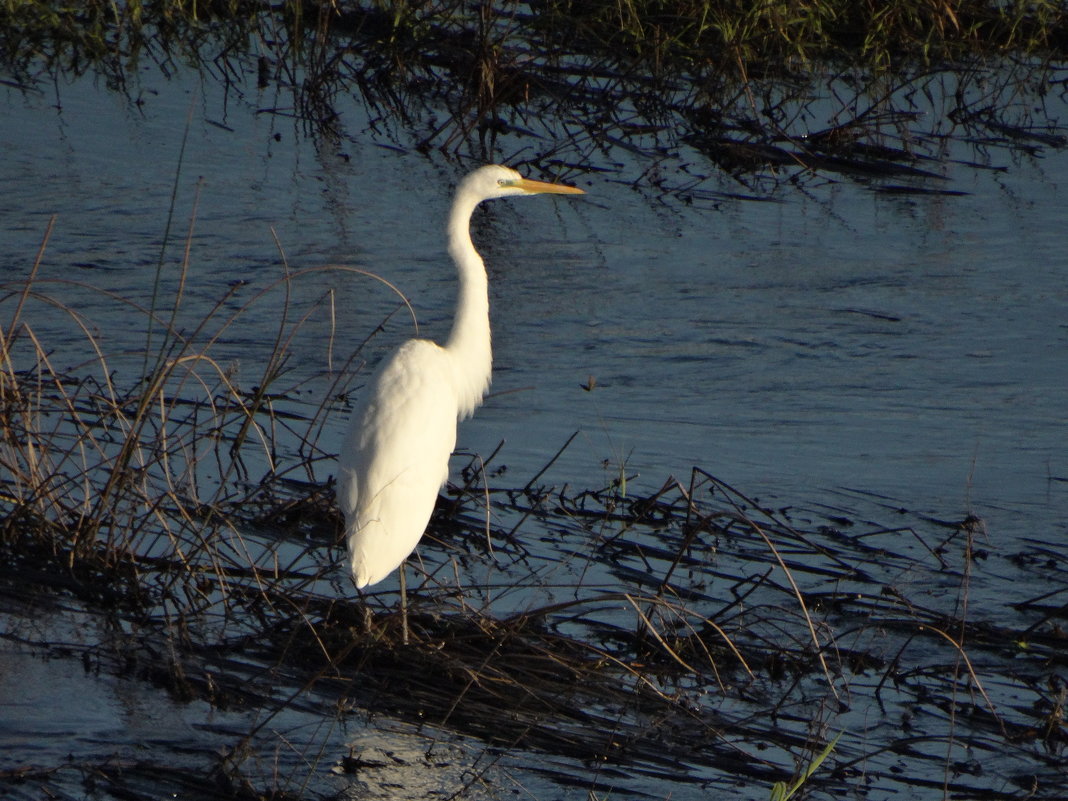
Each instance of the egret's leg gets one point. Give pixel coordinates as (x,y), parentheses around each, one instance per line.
(404,603)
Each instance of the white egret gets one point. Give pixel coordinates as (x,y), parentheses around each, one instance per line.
(395,456)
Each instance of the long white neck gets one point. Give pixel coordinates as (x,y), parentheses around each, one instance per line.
(468,345)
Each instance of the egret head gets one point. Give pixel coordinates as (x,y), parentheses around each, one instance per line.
(494,180)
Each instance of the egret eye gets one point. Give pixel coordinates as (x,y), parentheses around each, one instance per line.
(501,182)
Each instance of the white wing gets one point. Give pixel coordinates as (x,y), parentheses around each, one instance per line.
(396,457)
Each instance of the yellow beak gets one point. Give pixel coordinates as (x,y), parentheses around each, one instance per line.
(542,188)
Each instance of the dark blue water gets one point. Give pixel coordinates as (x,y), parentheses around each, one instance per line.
(911,346)
(914,348)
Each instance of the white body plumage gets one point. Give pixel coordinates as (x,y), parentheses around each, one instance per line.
(395,456)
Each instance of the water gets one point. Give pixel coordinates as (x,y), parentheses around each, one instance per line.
(907,346)
(910,346)
(856,344)
(124,736)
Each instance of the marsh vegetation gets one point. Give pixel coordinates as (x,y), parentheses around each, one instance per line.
(768,92)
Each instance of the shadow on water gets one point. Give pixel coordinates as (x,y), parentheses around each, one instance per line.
(180,534)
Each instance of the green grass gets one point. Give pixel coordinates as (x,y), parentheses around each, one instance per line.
(563,82)
(735,34)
